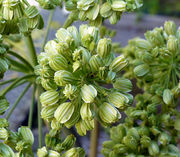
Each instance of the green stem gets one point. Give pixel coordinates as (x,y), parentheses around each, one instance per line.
(14,44)
(6,90)
(31,49)
(8,81)
(15,65)
(69,20)
(21,59)
(18,100)
(94,140)
(39,118)
(47,29)
(32,107)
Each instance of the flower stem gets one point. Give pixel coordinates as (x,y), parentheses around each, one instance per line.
(94,140)
(31,49)
(8,81)
(23,60)
(39,118)
(18,100)
(32,107)
(6,90)
(47,29)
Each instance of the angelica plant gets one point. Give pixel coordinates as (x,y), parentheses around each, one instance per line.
(77,81)
(151,128)
(74,69)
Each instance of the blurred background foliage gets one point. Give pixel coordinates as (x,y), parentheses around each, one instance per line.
(161,7)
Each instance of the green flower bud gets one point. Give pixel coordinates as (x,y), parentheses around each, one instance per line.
(69,142)
(74,152)
(70,5)
(164,138)
(48,84)
(63,77)
(97,22)
(105,152)
(134,132)
(106,10)
(153,149)
(145,141)
(4,66)
(170,28)
(58,62)
(118,6)
(113,19)
(52,47)
(108,113)
(82,15)
(104,47)
(4,123)
(4,134)
(89,36)
(50,97)
(47,112)
(83,125)
(85,4)
(118,133)
(118,100)
(86,111)
(143,130)
(141,70)
(46,72)
(120,149)
(110,77)
(42,152)
(130,142)
(95,63)
(118,64)
(55,125)
(6,151)
(4,105)
(26,134)
(167,96)
(64,36)
(53,153)
(74,118)
(88,93)
(93,12)
(155,37)
(173,44)
(108,144)
(143,44)
(64,112)
(69,90)
(123,84)
(75,34)
(49,4)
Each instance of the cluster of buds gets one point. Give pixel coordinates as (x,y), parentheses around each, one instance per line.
(94,11)
(18,16)
(155,60)
(20,141)
(144,133)
(55,146)
(4,63)
(73,152)
(49,4)
(74,70)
